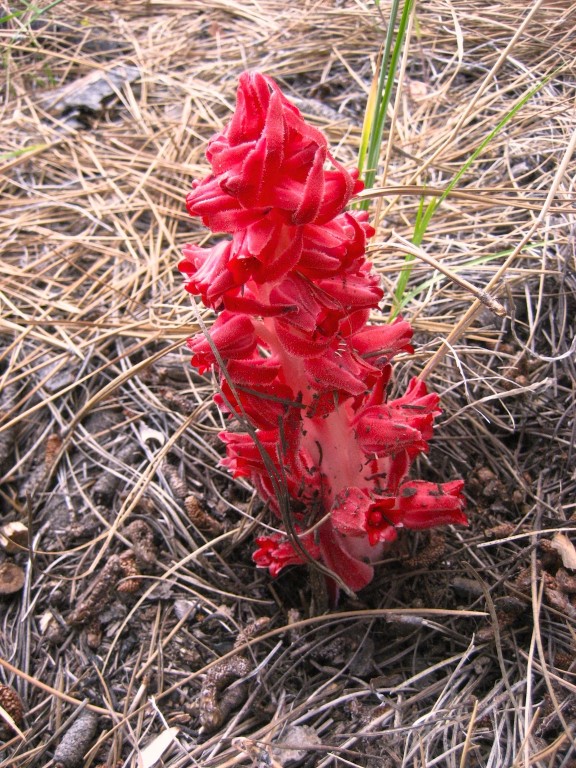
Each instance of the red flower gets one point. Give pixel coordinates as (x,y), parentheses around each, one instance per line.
(355,571)
(378,344)
(418,505)
(275,552)
(208,272)
(232,335)
(301,361)
(268,158)
(265,407)
(426,505)
(355,514)
(384,431)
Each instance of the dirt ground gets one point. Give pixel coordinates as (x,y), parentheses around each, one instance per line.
(141,633)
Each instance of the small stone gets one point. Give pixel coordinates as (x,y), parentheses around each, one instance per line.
(485,475)
(14,537)
(11,579)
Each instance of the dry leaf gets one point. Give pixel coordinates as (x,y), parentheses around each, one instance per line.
(153,752)
(295,744)
(45,621)
(562,544)
(147,433)
(89,92)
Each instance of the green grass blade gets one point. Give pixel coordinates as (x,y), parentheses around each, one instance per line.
(434,203)
(475,262)
(49,7)
(380,77)
(10,16)
(405,273)
(388,67)
(369,113)
(37,12)
(423,219)
(14,154)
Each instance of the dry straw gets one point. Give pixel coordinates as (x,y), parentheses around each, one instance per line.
(103,422)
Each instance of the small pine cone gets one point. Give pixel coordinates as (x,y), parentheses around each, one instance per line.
(98,595)
(430,553)
(129,584)
(141,536)
(94,633)
(566,581)
(51,449)
(177,483)
(563,660)
(10,701)
(199,517)
(499,531)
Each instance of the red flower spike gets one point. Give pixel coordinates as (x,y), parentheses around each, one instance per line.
(303,364)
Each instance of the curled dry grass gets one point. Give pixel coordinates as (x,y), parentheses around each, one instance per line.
(104,424)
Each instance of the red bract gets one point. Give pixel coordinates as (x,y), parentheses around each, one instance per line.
(276,552)
(301,362)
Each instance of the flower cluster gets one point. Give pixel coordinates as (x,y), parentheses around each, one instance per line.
(293,292)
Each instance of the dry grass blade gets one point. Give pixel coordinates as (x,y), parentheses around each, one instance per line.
(140,602)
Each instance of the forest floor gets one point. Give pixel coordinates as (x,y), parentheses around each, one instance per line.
(143,634)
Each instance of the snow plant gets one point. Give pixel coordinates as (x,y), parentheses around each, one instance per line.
(293,292)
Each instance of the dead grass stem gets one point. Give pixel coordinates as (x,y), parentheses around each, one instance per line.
(462,660)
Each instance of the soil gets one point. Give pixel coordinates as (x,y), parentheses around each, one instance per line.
(143,633)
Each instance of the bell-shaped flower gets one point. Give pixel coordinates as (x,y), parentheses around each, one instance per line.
(265,406)
(232,335)
(426,505)
(276,552)
(378,344)
(208,272)
(357,515)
